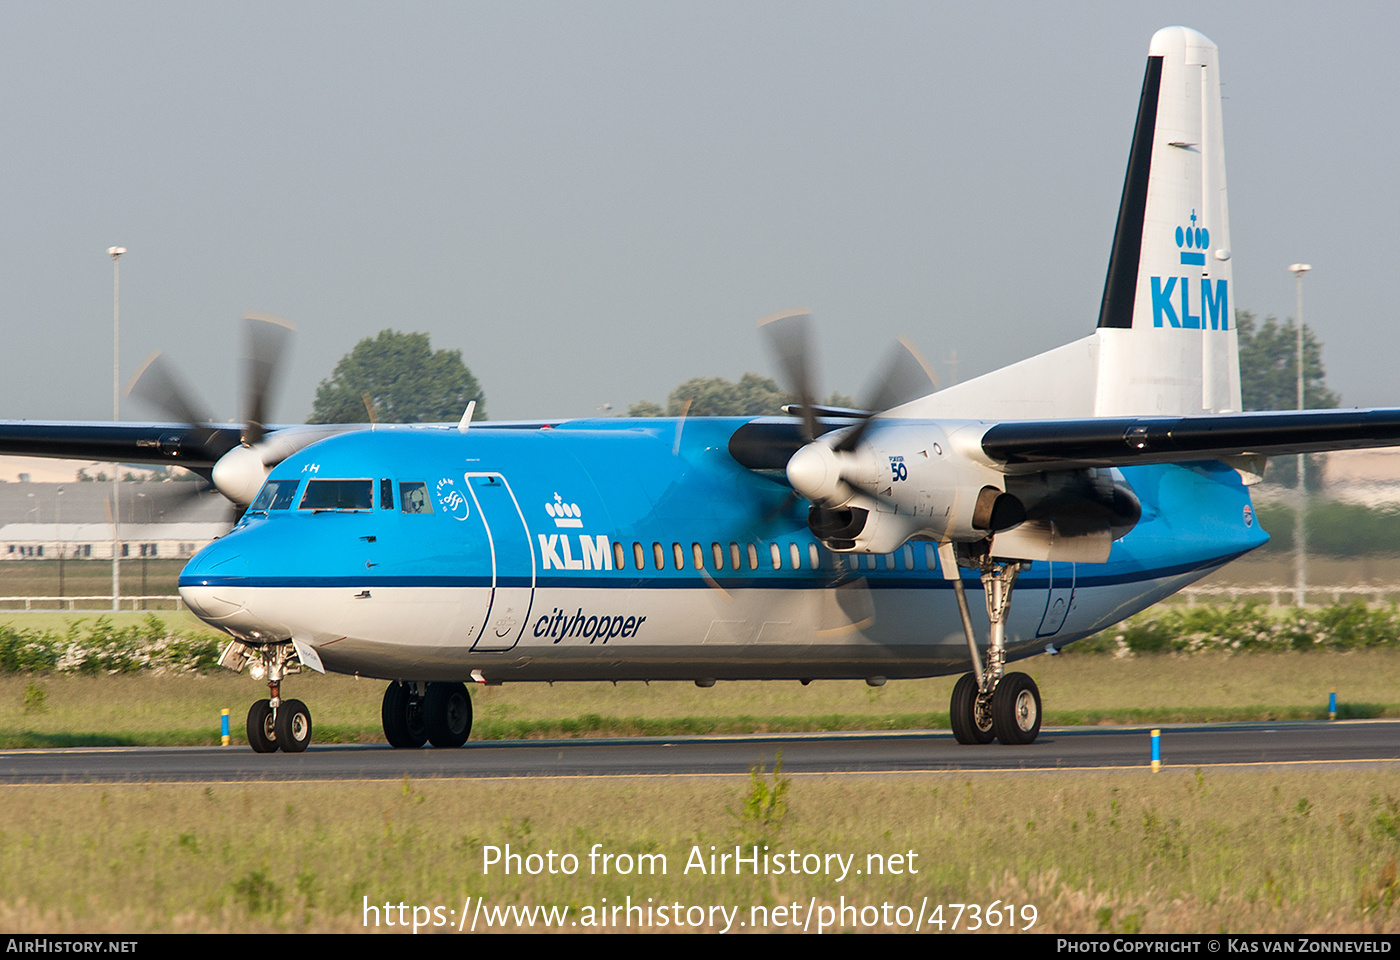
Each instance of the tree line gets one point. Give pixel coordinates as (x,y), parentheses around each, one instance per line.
(397,377)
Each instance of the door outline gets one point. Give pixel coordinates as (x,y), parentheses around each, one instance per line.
(1059,597)
(489,639)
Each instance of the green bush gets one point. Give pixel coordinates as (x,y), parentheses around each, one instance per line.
(101,647)
(1248,627)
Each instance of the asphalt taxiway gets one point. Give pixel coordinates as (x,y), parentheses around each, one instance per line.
(1250,745)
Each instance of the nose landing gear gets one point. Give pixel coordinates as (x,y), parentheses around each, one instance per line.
(273,723)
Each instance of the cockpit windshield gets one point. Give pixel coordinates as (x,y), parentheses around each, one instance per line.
(275,495)
(338,495)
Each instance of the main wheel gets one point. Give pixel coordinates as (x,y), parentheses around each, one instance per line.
(1016,709)
(967,726)
(262,730)
(402,715)
(447,714)
(293,726)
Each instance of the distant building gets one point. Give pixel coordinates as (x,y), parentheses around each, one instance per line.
(43,521)
(1367,477)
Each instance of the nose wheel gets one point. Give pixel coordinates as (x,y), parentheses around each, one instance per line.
(419,713)
(262,727)
(273,723)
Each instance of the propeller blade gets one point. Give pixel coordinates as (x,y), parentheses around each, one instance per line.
(267,340)
(157,383)
(906,376)
(173,498)
(789,336)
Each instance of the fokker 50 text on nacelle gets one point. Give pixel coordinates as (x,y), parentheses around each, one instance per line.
(1095,479)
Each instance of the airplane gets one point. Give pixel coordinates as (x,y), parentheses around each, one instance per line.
(1075,488)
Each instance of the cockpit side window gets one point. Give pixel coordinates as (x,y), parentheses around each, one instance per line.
(275,495)
(413,497)
(338,495)
(386,494)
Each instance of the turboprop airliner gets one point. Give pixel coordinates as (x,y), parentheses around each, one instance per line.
(1072,490)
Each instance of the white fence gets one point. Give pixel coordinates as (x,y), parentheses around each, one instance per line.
(96,604)
(1382,593)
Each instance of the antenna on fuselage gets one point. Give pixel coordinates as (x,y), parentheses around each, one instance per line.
(466,420)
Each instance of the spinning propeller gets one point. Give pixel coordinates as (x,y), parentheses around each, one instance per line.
(238,473)
(830,473)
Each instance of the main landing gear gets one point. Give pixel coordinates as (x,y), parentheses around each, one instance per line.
(990,704)
(419,713)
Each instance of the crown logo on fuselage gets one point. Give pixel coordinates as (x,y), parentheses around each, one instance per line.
(564,514)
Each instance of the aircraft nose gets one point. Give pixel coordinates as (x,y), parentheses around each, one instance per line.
(208,606)
(209,583)
(219,559)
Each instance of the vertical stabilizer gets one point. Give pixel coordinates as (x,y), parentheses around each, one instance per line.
(1167,343)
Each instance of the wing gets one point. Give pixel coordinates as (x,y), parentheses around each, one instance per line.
(1122,441)
(195,448)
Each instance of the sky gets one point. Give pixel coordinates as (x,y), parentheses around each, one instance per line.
(595,201)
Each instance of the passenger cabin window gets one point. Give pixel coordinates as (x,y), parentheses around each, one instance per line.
(275,495)
(413,497)
(338,495)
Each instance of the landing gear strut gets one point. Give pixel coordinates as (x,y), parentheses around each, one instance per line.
(418,713)
(273,723)
(989,703)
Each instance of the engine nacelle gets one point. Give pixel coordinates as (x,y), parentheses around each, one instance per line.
(916,479)
(241,472)
(905,480)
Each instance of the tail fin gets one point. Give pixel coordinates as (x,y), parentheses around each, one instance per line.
(1167,342)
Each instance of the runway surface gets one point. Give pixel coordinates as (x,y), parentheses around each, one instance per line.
(1261,745)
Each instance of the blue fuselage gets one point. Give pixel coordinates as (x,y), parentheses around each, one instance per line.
(613,549)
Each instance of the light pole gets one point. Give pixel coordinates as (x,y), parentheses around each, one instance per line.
(62,546)
(116,254)
(1300,528)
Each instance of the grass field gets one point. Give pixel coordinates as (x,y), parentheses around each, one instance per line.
(1127,852)
(1120,852)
